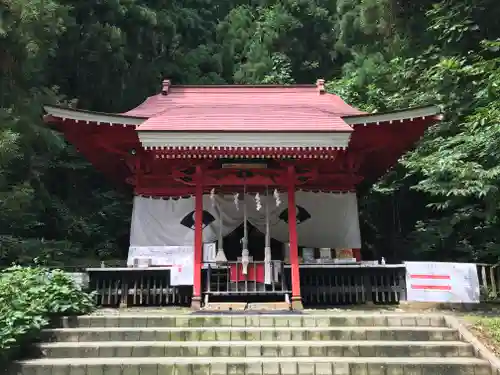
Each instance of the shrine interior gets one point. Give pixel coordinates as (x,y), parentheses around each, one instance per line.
(256,244)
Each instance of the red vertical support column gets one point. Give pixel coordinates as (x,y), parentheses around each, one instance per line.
(198,240)
(294,246)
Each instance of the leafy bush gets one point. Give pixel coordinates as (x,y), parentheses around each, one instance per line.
(29,298)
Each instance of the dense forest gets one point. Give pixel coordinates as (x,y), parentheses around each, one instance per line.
(440,202)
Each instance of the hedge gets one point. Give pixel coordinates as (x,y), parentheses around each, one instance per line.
(30,297)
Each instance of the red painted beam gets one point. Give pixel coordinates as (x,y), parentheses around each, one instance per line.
(170,191)
(276,178)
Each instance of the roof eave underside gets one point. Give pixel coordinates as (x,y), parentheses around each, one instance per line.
(78,115)
(81,129)
(381,141)
(398,115)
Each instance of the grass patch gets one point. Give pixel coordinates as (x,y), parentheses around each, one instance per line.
(486,329)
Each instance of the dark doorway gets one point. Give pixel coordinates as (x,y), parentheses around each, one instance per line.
(256,244)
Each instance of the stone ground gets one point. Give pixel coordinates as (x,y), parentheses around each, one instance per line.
(457,310)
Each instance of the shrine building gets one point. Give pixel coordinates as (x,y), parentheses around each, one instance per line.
(257,181)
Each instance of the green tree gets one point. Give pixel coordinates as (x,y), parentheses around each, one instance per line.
(449,173)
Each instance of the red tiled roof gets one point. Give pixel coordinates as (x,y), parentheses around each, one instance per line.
(244,108)
(245,118)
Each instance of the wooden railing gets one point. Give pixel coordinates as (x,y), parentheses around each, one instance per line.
(329,284)
(228,280)
(489,281)
(321,285)
(123,286)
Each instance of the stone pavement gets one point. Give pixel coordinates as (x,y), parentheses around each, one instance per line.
(309,344)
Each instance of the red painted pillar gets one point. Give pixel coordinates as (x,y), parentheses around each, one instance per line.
(198,240)
(294,246)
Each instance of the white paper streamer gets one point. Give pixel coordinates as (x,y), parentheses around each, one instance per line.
(276,195)
(237,201)
(257,201)
(212,197)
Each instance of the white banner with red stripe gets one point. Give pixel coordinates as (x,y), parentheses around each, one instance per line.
(442,282)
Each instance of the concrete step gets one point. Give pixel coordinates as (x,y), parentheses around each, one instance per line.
(265,320)
(257,349)
(252,334)
(255,366)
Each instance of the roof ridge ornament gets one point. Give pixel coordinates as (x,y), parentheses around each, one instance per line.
(165,86)
(320,85)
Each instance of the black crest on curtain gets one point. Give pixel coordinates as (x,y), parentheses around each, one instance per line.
(188,220)
(302,215)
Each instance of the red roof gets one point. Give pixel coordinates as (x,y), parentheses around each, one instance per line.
(244,118)
(244,108)
(376,141)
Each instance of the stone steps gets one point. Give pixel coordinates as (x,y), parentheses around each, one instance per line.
(325,320)
(252,334)
(308,344)
(258,366)
(257,349)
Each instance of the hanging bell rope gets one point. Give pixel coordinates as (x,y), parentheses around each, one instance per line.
(220,257)
(220,226)
(268,230)
(245,218)
(244,241)
(267,246)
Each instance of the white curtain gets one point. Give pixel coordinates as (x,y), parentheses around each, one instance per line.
(323,219)
(158,222)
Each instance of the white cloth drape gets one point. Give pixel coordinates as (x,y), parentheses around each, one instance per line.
(324,220)
(157,222)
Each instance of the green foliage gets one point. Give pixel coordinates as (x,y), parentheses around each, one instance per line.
(29,298)
(454,172)
(281,42)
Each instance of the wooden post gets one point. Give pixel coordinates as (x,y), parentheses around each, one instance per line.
(198,240)
(294,248)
